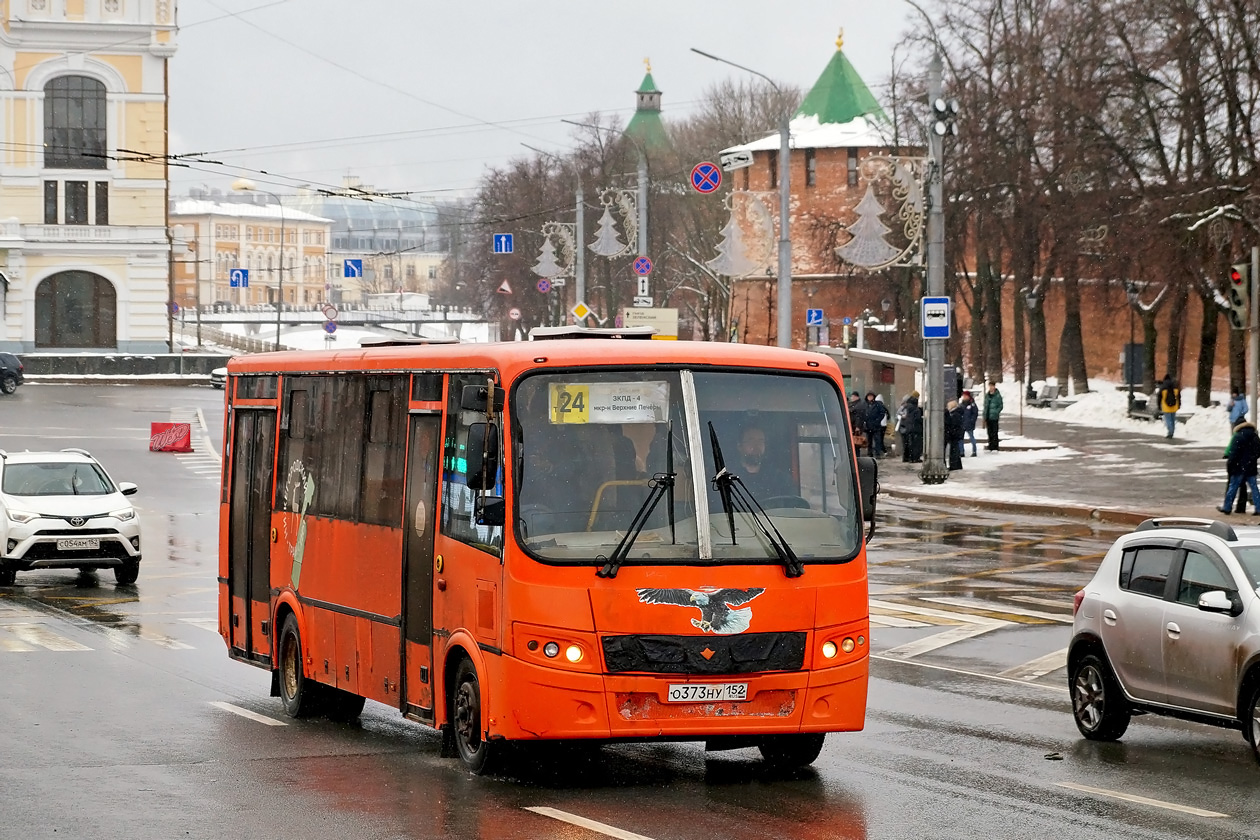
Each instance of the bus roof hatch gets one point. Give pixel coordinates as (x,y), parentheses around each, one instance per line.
(574,331)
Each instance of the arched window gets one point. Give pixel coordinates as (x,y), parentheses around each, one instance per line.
(74,123)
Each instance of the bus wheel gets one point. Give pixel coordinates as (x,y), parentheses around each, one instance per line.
(791,750)
(298,695)
(475,751)
(342,706)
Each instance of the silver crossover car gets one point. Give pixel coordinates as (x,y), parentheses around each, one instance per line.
(1170,625)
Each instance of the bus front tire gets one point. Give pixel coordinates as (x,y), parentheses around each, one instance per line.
(298,695)
(788,751)
(474,750)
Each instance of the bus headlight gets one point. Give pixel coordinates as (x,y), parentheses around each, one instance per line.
(829,650)
(551,650)
(573,653)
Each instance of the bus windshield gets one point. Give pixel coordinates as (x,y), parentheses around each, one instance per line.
(590,448)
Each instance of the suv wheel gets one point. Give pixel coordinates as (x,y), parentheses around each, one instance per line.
(8,383)
(127,573)
(1251,723)
(8,577)
(1097,702)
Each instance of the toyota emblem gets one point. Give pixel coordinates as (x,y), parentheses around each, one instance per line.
(77,521)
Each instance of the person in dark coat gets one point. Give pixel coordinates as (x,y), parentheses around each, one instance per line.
(953,434)
(970,414)
(992,411)
(1244,452)
(911,426)
(857,421)
(873,416)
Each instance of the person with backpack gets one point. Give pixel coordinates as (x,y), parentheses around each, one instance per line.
(1242,455)
(1169,403)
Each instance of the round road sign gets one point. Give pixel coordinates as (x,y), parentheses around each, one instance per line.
(330,327)
(514,314)
(643,266)
(544,285)
(330,312)
(706,177)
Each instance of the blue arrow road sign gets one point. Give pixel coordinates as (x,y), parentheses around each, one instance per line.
(935,317)
(353,268)
(238,278)
(813,317)
(503,243)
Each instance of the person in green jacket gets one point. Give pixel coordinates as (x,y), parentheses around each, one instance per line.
(992,411)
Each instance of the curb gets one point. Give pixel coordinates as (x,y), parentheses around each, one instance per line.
(71,379)
(1111,516)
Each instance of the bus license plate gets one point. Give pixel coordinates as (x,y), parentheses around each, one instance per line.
(79,544)
(707,692)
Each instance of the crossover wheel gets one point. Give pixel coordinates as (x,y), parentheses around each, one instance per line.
(8,383)
(1101,712)
(127,573)
(1251,723)
(791,750)
(8,577)
(475,751)
(299,695)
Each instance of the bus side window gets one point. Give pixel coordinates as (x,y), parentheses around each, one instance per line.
(458,500)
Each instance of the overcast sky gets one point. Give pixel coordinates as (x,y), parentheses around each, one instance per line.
(422,96)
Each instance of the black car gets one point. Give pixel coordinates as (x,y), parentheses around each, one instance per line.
(10,373)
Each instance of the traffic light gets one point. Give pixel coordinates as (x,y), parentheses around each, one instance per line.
(1239,297)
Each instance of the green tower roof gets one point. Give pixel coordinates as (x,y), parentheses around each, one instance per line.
(840,95)
(646,126)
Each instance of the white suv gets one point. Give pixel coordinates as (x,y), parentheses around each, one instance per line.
(61,510)
(1170,625)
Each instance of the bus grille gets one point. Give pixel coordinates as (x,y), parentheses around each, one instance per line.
(745,653)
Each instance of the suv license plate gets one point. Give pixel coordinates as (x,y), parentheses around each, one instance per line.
(79,544)
(706,692)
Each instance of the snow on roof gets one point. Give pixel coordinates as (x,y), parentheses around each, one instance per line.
(200,207)
(809,133)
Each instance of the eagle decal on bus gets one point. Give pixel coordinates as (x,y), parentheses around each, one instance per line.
(717,606)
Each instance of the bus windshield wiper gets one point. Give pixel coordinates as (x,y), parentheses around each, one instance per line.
(735,495)
(660,483)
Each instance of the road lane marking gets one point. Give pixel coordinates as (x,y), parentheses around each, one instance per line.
(1141,800)
(15,646)
(878,620)
(977,604)
(163,640)
(211,624)
(583,822)
(36,634)
(1038,667)
(914,609)
(963,672)
(940,640)
(246,713)
(1064,603)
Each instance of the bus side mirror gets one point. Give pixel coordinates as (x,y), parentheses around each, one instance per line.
(868,485)
(490,510)
(482,456)
(477,398)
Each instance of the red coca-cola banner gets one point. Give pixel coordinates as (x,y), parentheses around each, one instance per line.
(170,437)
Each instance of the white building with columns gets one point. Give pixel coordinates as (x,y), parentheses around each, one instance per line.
(85,258)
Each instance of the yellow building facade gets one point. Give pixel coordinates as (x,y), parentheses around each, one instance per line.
(84,245)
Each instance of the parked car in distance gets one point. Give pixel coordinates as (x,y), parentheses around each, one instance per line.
(11,368)
(218,377)
(61,510)
(1170,625)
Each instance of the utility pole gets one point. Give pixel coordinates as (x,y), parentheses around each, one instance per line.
(934,469)
(1253,335)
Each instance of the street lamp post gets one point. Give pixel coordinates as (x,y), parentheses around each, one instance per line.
(246,185)
(1131,292)
(785,243)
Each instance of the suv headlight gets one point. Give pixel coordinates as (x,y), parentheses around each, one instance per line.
(22,516)
(124,514)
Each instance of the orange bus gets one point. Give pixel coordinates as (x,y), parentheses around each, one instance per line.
(588,538)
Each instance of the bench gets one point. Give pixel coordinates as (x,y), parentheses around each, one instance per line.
(1140,409)
(1045,397)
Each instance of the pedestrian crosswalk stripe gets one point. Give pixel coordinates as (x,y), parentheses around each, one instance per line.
(881,620)
(211,624)
(163,640)
(37,634)
(940,640)
(1065,602)
(928,612)
(1038,667)
(1001,610)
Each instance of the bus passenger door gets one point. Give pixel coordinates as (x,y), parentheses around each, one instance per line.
(249,561)
(424,461)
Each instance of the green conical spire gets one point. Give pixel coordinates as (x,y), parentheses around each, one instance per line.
(840,96)
(646,126)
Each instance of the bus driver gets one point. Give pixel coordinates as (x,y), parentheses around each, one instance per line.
(764,480)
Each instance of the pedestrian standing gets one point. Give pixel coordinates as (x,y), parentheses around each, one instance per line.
(857,421)
(1169,403)
(884,424)
(1243,453)
(873,417)
(912,429)
(953,434)
(1237,406)
(992,411)
(970,414)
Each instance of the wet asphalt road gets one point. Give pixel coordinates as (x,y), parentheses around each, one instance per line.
(110,729)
